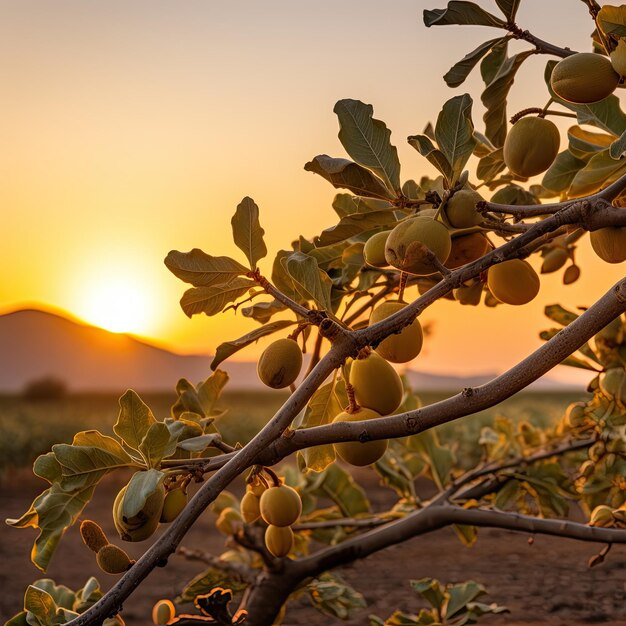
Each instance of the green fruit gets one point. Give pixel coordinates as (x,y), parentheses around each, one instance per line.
(583,78)
(531,146)
(601,516)
(513,282)
(409,243)
(467,248)
(279,540)
(249,508)
(142,525)
(229,521)
(406,345)
(618,58)
(571,274)
(610,243)
(113,560)
(280,363)
(461,209)
(175,501)
(377,385)
(554,260)
(374,250)
(93,535)
(163,612)
(280,506)
(355,452)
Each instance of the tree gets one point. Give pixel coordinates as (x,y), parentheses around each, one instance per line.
(436,235)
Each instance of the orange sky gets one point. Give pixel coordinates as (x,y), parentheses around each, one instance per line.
(131,128)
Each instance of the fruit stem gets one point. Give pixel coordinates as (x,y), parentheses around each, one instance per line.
(277,482)
(403,279)
(353,406)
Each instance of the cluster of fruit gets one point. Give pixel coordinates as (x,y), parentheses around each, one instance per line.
(109,557)
(604,516)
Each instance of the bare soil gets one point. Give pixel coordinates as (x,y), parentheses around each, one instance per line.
(546,583)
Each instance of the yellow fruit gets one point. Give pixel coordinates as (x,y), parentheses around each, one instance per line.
(583,78)
(377,385)
(280,506)
(280,363)
(602,516)
(618,58)
(279,540)
(163,612)
(112,559)
(461,209)
(374,250)
(93,535)
(175,501)
(531,146)
(229,521)
(355,452)
(406,345)
(554,260)
(249,507)
(467,248)
(409,243)
(257,487)
(513,282)
(610,243)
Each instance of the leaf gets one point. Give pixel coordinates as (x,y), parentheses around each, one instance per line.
(583,144)
(228,348)
(212,300)
(247,231)
(514,194)
(561,173)
(338,485)
(597,173)
(455,133)
(210,390)
(40,604)
(262,312)
(467,534)
(457,74)
(133,420)
(426,148)
(367,141)
(618,148)
(330,595)
(490,165)
(207,581)
(462,13)
(460,595)
(509,8)
(430,589)
(141,485)
(47,467)
(439,458)
(612,20)
(491,64)
(312,283)
(342,173)
(201,269)
(355,224)
(18,620)
(198,444)
(158,444)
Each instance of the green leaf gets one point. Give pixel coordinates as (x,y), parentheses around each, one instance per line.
(133,420)
(247,231)
(439,458)
(198,444)
(141,485)
(262,312)
(612,20)
(491,64)
(561,173)
(158,444)
(18,620)
(207,581)
(490,165)
(454,132)
(509,8)
(583,144)
(212,300)
(457,74)
(430,589)
(462,13)
(396,475)
(467,534)
(427,148)
(460,595)
(338,485)
(355,224)
(228,348)
(618,148)
(342,173)
(597,173)
(330,595)
(513,194)
(210,390)
(47,467)
(367,141)
(347,204)
(40,604)
(201,269)
(311,282)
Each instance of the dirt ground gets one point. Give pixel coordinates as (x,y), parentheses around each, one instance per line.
(546,583)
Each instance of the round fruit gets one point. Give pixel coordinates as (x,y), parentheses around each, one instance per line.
(175,501)
(377,385)
(229,521)
(610,243)
(113,560)
(513,282)
(280,506)
(355,452)
(583,78)
(531,146)
(163,612)
(280,363)
(404,346)
(249,508)
(409,243)
(279,540)
(93,535)
(467,248)
(461,209)
(601,516)
(144,523)
(374,250)
(618,58)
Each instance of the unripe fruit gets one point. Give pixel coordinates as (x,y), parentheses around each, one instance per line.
(249,507)
(175,501)
(554,260)
(229,521)
(583,78)
(377,385)
(531,146)
(93,535)
(279,540)
(618,58)
(467,248)
(601,516)
(609,243)
(571,274)
(163,612)
(112,559)
(406,345)
(374,249)
(513,282)
(461,209)
(142,525)
(280,506)
(355,452)
(280,363)
(409,243)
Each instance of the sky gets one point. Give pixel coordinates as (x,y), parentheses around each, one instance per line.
(132,128)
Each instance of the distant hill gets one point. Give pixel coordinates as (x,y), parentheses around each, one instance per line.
(36,344)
